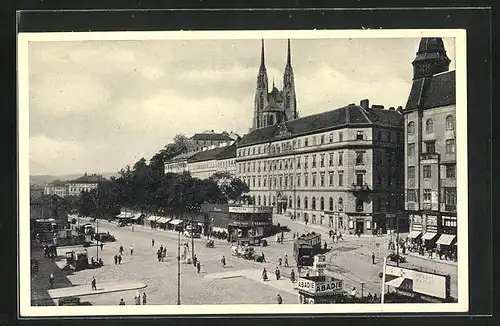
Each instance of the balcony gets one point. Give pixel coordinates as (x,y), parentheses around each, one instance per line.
(356,187)
(429,156)
(427,206)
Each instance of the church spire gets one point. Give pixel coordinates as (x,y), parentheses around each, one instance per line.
(262,76)
(431,58)
(289,56)
(262,61)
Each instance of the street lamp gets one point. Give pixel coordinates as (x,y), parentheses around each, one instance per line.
(397,239)
(97,239)
(362,288)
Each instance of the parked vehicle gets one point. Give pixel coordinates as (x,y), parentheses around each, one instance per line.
(306,247)
(105,237)
(192,234)
(77,260)
(210,244)
(121,223)
(396,258)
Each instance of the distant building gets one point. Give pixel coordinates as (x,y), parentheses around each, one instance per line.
(340,168)
(179,163)
(207,139)
(84,183)
(430,145)
(56,187)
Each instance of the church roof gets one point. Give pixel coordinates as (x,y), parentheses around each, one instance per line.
(347,116)
(431,92)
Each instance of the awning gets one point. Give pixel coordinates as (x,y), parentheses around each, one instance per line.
(414,234)
(175,222)
(163,220)
(429,236)
(137,216)
(396,282)
(445,239)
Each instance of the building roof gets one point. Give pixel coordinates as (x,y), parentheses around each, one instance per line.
(207,155)
(228,152)
(211,136)
(93,178)
(181,157)
(351,115)
(438,90)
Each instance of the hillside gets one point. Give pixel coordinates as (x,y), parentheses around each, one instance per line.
(41,180)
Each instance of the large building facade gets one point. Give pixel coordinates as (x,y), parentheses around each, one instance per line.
(56,187)
(207,139)
(84,183)
(430,136)
(341,168)
(278,105)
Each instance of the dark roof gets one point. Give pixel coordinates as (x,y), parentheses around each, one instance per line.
(183,156)
(211,136)
(351,115)
(207,155)
(57,183)
(228,152)
(430,92)
(93,178)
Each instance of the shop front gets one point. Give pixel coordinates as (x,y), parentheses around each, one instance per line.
(431,234)
(320,289)
(360,223)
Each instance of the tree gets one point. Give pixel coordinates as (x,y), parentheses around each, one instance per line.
(179,146)
(86,204)
(232,188)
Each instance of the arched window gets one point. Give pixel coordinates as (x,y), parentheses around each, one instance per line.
(313,203)
(321,204)
(298,202)
(290,204)
(305,202)
(429,126)
(411,128)
(450,123)
(341,205)
(330,203)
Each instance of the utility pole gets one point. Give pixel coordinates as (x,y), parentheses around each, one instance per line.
(179,268)
(397,239)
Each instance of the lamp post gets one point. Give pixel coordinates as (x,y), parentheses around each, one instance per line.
(397,239)
(97,240)
(179,268)
(362,288)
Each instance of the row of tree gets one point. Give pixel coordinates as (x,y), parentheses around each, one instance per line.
(146,188)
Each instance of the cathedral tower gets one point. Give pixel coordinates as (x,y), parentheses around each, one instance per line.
(260,92)
(290,103)
(431,58)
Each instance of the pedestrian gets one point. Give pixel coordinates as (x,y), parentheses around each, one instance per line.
(102,245)
(137,299)
(277,238)
(340,236)
(263,258)
(159,254)
(324,246)
(277,273)
(92,262)
(194,260)
(292,276)
(121,250)
(164,254)
(279,299)
(264,275)
(144,301)
(131,250)
(430,253)
(375,298)
(116,259)
(286,261)
(280,260)
(161,248)
(152,242)
(51,280)
(294,236)
(223,261)
(119,259)
(353,292)
(94,284)
(198,266)
(122,303)
(373,258)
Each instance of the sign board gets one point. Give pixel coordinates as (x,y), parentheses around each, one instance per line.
(249,223)
(423,283)
(256,209)
(432,220)
(319,261)
(332,286)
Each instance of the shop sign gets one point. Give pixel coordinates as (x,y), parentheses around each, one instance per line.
(332,286)
(249,223)
(423,283)
(255,209)
(431,220)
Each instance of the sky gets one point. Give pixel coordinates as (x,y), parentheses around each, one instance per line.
(97,106)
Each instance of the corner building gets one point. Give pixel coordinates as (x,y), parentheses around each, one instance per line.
(341,168)
(430,135)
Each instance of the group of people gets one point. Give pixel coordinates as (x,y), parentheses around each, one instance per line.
(280,237)
(161,253)
(336,236)
(137,299)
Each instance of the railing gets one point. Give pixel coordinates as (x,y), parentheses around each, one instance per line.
(429,156)
(359,187)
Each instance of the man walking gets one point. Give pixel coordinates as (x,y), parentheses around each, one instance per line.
(144,301)
(131,250)
(198,266)
(122,303)
(119,259)
(280,260)
(286,261)
(223,261)
(373,258)
(94,284)
(279,299)
(116,259)
(121,250)
(152,242)
(102,245)
(51,280)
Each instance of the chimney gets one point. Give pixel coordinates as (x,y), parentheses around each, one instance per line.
(400,109)
(365,104)
(391,108)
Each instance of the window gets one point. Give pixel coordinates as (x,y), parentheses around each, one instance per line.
(389,137)
(330,203)
(322,179)
(341,179)
(427,172)
(298,180)
(258,167)
(359,158)
(314,161)
(360,179)
(253,166)
(281,164)
(330,175)
(450,198)
(429,126)
(306,161)
(359,135)
(322,139)
(298,202)
(298,162)
(306,142)
(341,158)
(411,176)
(286,164)
(450,171)
(314,140)
(411,128)
(313,203)
(258,200)
(306,179)
(450,122)
(330,159)
(253,182)
(341,136)
(427,196)
(274,182)
(322,160)
(265,200)
(299,143)
(305,202)
(321,204)
(281,181)
(264,166)
(330,138)
(359,205)
(450,146)
(411,149)
(412,195)
(290,203)
(430,146)
(253,150)
(286,181)
(314,179)
(258,183)
(265,181)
